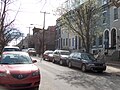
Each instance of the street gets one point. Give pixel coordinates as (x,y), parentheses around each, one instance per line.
(56,77)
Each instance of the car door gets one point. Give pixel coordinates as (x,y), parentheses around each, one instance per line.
(57,55)
(74,59)
(78,60)
(70,58)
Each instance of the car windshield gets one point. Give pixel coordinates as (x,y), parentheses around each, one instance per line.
(88,57)
(65,53)
(15,59)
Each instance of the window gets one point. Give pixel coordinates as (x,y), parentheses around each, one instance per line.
(69,42)
(76,42)
(65,53)
(115,13)
(55,52)
(66,41)
(78,55)
(63,42)
(100,40)
(71,54)
(72,41)
(104,16)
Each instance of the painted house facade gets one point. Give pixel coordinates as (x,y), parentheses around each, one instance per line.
(108,41)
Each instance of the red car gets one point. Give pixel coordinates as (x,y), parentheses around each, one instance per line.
(17,71)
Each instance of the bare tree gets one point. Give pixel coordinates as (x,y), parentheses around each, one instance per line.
(6,29)
(82,20)
(116,3)
(38,39)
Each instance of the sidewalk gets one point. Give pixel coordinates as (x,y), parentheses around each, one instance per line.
(113,70)
(114,67)
(115,64)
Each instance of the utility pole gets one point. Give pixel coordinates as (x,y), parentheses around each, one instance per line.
(22,35)
(43,30)
(29,35)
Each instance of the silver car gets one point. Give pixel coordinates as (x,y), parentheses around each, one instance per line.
(60,56)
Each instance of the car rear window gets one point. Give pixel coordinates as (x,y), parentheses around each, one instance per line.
(11,49)
(65,53)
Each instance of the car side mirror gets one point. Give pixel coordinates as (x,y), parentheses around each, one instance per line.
(34,61)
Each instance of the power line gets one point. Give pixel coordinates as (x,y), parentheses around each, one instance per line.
(44,5)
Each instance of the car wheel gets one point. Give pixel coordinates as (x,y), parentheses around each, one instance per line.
(61,62)
(83,68)
(69,64)
(43,58)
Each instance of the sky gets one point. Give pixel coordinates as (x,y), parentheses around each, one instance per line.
(30,15)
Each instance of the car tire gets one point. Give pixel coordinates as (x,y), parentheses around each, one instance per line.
(69,64)
(43,58)
(83,68)
(61,62)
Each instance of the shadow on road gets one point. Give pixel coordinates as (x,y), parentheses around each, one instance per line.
(105,80)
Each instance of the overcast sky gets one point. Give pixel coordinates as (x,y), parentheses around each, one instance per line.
(29,13)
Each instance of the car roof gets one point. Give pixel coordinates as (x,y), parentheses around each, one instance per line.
(15,52)
(48,51)
(81,52)
(11,47)
(62,50)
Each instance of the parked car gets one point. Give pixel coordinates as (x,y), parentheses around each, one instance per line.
(17,71)
(25,50)
(11,48)
(32,51)
(48,55)
(85,62)
(60,56)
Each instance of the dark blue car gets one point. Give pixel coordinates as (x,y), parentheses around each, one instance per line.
(85,62)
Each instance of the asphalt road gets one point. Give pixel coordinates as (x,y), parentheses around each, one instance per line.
(56,77)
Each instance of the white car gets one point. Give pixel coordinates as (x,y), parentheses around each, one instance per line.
(60,56)
(11,48)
